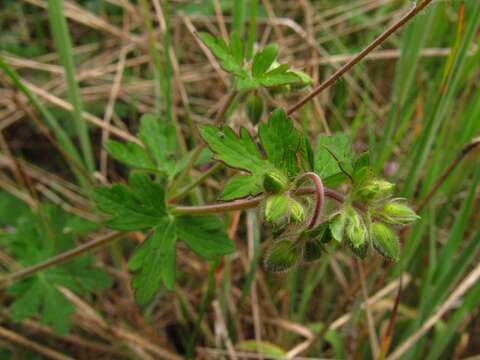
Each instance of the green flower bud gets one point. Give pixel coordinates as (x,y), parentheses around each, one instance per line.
(274,181)
(282,256)
(398,213)
(376,190)
(385,241)
(276,208)
(322,233)
(254,108)
(297,212)
(312,250)
(355,229)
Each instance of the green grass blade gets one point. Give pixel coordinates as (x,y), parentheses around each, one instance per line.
(239,16)
(63,44)
(444,105)
(252,28)
(63,140)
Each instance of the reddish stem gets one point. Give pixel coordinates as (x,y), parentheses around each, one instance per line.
(247,203)
(319,192)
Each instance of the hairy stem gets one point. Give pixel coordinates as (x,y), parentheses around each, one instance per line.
(179,210)
(373,45)
(319,196)
(245,203)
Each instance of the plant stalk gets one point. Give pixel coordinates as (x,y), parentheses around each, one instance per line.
(372,46)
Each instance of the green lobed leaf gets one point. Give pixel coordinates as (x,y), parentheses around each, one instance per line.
(326,166)
(263,60)
(240,186)
(137,207)
(280,140)
(229,60)
(38,239)
(160,152)
(305,154)
(275,79)
(205,235)
(130,154)
(154,261)
(247,83)
(161,141)
(239,152)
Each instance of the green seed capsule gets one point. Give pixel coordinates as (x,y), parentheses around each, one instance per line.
(282,256)
(398,213)
(254,108)
(385,241)
(274,182)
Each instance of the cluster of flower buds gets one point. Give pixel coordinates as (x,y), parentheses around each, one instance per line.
(280,207)
(364,221)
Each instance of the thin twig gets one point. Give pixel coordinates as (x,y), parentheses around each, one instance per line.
(387,338)
(455,296)
(374,44)
(464,152)
(29,344)
(61,258)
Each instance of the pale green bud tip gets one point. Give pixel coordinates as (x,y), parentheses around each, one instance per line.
(297,212)
(398,213)
(385,241)
(376,189)
(274,181)
(355,231)
(276,208)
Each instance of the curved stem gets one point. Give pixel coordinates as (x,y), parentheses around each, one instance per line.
(319,196)
(246,203)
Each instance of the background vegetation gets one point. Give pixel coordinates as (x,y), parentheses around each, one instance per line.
(77,73)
